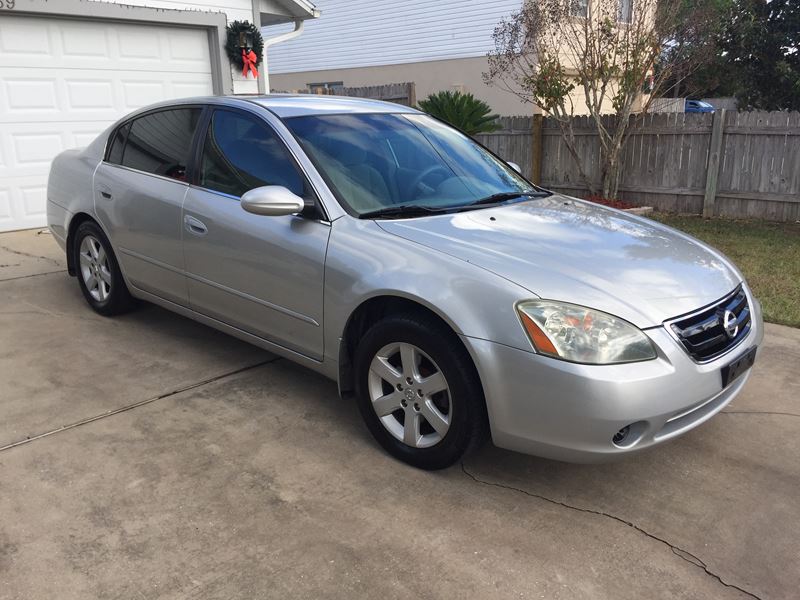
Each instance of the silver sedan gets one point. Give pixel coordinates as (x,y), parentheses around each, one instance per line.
(444,292)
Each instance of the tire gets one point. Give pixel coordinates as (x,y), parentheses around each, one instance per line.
(97,269)
(435,439)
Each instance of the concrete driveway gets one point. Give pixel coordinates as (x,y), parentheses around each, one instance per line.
(150,457)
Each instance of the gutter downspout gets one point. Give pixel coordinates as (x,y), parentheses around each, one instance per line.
(256,4)
(263,82)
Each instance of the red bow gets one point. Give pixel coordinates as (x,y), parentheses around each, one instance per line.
(249,59)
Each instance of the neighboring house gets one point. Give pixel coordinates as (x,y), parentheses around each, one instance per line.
(70,68)
(438,45)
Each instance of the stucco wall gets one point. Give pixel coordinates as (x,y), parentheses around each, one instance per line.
(464,74)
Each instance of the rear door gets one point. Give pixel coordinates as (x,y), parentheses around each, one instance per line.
(261,274)
(139,192)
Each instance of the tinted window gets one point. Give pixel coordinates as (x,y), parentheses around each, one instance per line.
(241,153)
(160,142)
(118,145)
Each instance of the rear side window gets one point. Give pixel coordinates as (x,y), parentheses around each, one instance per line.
(241,153)
(160,142)
(118,145)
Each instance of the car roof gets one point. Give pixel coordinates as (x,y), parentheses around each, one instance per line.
(296,105)
(283,105)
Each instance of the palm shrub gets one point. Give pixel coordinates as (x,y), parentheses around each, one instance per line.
(465,111)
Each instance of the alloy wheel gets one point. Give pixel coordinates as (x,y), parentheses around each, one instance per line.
(94,268)
(410,395)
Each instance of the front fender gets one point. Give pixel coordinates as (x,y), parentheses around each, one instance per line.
(364,262)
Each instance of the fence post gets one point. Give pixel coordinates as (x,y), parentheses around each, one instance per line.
(712,168)
(536,150)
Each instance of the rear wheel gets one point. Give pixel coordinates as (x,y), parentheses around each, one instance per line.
(98,272)
(418,391)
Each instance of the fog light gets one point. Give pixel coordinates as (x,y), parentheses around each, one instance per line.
(620,436)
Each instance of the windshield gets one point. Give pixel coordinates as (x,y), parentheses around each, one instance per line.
(380,161)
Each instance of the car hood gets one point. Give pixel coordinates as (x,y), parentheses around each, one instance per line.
(560,248)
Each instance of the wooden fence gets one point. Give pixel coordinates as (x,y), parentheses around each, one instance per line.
(400,93)
(732,164)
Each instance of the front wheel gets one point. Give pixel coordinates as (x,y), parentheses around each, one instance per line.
(418,391)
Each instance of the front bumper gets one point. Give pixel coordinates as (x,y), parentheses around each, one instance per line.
(571,412)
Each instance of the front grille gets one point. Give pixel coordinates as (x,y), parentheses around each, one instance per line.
(704,333)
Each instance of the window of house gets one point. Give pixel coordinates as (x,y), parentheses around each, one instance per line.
(160,142)
(241,153)
(625,10)
(325,87)
(579,8)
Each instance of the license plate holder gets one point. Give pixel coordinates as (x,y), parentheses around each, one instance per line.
(735,369)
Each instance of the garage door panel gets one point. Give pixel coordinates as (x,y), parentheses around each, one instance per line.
(63,82)
(91,95)
(6,218)
(25,37)
(29,94)
(67,44)
(28,148)
(140,46)
(22,202)
(35,149)
(82,41)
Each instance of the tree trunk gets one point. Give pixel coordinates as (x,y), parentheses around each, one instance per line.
(611,174)
(569,140)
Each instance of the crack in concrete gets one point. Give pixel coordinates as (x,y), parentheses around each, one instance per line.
(32,275)
(677,551)
(758,412)
(29,255)
(38,310)
(128,407)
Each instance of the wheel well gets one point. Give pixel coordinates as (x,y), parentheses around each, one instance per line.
(365,316)
(73,227)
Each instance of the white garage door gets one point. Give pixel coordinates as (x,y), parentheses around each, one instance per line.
(64,81)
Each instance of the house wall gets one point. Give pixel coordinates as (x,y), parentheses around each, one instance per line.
(235,10)
(464,74)
(438,45)
(362,33)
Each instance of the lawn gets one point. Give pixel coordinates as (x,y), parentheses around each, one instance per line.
(767,253)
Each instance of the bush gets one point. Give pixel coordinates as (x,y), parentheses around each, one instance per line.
(461,110)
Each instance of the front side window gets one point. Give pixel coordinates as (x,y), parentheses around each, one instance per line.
(160,142)
(241,153)
(379,161)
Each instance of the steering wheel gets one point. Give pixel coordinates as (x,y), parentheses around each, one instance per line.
(425,174)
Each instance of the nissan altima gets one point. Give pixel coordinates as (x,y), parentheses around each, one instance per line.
(450,297)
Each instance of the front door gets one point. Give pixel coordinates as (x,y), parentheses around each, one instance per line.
(261,274)
(139,192)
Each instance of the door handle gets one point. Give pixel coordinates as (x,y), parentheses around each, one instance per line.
(105,192)
(195,226)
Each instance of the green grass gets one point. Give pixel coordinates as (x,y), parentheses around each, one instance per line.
(768,254)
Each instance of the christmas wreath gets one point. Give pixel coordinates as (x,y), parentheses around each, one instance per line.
(244,46)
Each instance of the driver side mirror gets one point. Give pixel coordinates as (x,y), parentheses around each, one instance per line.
(272,201)
(515,166)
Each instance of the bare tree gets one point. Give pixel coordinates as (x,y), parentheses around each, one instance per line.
(611,56)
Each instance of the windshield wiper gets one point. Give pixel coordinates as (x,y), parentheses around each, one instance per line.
(418,210)
(401,210)
(502,196)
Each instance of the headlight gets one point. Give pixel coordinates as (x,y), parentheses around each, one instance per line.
(582,335)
